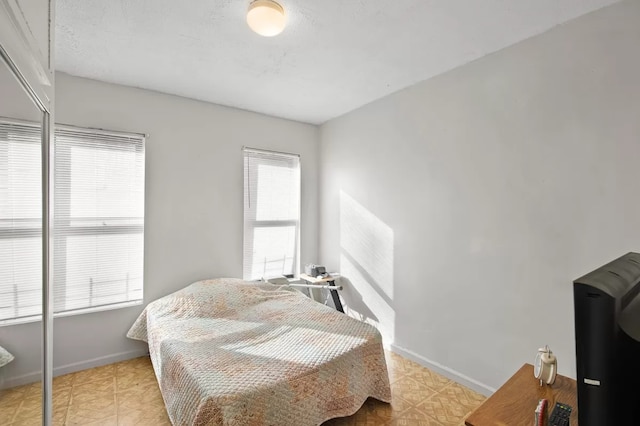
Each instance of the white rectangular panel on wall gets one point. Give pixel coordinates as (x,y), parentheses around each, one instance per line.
(36,13)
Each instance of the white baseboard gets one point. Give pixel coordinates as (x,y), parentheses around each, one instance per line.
(72,368)
(123,356)
(445,371)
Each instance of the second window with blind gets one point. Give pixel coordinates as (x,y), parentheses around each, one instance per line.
(271,214)
(98,221)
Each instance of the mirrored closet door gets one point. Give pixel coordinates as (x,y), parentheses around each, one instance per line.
(20,252)
(25,317)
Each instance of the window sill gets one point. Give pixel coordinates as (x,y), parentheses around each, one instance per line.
(37,318)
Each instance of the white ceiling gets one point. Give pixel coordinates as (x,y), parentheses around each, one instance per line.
(334,55)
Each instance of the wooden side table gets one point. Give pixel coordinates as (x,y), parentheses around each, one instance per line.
(330,281)
(514,404)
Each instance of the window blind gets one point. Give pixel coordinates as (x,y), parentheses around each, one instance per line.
(98,222)
(20,221)
(271,214)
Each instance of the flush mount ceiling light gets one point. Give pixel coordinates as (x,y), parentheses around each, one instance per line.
(266,17)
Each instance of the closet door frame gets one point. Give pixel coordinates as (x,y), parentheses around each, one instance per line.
(34,70)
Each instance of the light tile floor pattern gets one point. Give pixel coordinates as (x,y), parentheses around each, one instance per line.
(126,393)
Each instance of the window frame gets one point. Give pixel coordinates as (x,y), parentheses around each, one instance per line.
(251,223)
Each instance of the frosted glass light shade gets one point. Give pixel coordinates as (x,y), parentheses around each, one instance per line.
(266,17)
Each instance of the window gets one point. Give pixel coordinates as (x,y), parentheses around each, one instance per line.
(271,214)
(98,221)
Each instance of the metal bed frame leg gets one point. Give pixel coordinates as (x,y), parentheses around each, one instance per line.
(336,297)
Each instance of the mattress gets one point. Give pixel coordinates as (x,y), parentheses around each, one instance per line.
(231,352)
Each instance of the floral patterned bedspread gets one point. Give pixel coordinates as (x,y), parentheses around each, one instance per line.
(230,352)
(5,357)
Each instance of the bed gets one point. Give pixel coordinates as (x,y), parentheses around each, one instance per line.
(5,357)
(231,352)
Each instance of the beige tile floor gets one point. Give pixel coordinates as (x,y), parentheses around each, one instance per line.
(126,393)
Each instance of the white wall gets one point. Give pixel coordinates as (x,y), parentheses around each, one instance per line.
(461,209)
(193,206)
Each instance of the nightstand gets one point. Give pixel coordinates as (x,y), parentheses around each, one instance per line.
(515,402)
(329,281)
